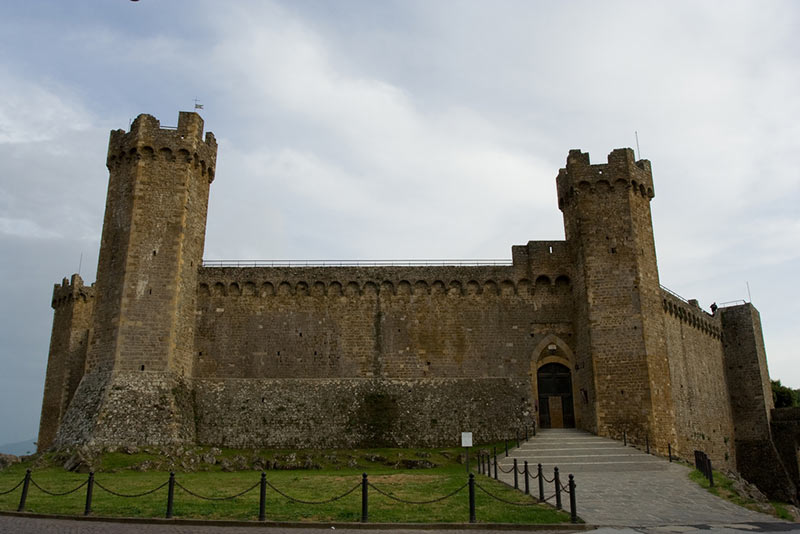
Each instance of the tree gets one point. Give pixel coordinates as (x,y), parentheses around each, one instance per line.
(784,397)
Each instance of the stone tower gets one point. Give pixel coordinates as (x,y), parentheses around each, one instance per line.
(618,316)
(73,305)
(141,344)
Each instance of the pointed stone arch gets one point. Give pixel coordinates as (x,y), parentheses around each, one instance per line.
(563,354)
(553,361)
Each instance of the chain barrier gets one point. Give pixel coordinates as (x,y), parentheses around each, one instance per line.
(495,497)
(229,498)
(398,499)
(510,469)
(326,501)
(12,489)
(129,496)
(56,494)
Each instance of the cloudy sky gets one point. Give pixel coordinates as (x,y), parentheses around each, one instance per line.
(408,129)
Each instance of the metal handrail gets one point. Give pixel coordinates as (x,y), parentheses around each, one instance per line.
(671,292)
(355,263)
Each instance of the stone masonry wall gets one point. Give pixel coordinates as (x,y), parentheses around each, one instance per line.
(398,322)
(329,412)
(699,389)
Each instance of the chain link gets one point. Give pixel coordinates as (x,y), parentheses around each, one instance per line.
(279,492)
(112,492)
(503,500)
(510,469)
(398,499)
(229,498)
(56,494)
(12,489)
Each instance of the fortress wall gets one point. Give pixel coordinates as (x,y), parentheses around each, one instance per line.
(347,356)
(699,389)
(414,322)
(330,412)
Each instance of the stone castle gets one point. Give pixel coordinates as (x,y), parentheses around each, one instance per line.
(165,350)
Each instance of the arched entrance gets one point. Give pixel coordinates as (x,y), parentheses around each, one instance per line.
(556,408)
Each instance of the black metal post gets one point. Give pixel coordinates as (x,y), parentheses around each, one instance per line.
(534,428)
(495,464)
(669,450)
(526,432)
(647,443)
(170,494)
(24,496)
(364,498)
(506,448)
(541,482)
(262,498)
(624,438)
(472,498)
(89,487)
(527,482)
(516,477)
(517,432)
(573,509)
(557,482)
(480,463)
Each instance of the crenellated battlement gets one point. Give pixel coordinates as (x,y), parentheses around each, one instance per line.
(148,141)
(621,173)
(70,290)
(374,281)
(691,314)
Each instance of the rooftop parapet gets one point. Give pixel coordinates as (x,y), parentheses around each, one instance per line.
(71,289)
(148,139)
(621,172)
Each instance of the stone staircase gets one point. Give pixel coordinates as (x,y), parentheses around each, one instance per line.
(622,486)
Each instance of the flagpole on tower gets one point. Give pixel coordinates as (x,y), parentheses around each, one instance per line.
(197,104)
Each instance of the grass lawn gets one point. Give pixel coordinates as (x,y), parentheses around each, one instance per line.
(724,488)
(336,473)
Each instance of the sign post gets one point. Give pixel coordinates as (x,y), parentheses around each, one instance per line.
(466,442)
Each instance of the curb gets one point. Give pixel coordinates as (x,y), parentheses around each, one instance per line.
(567,527)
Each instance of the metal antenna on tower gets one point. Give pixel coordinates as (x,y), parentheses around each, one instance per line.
(638,152)
(80,263)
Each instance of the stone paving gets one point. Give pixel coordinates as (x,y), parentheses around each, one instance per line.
(33,525)
(623,486)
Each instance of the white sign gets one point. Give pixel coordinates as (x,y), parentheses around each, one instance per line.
(466,439)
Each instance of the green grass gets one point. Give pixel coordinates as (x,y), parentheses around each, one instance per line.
(333,473)
(724,488)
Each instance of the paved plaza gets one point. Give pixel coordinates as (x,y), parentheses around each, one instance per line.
(623,486)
